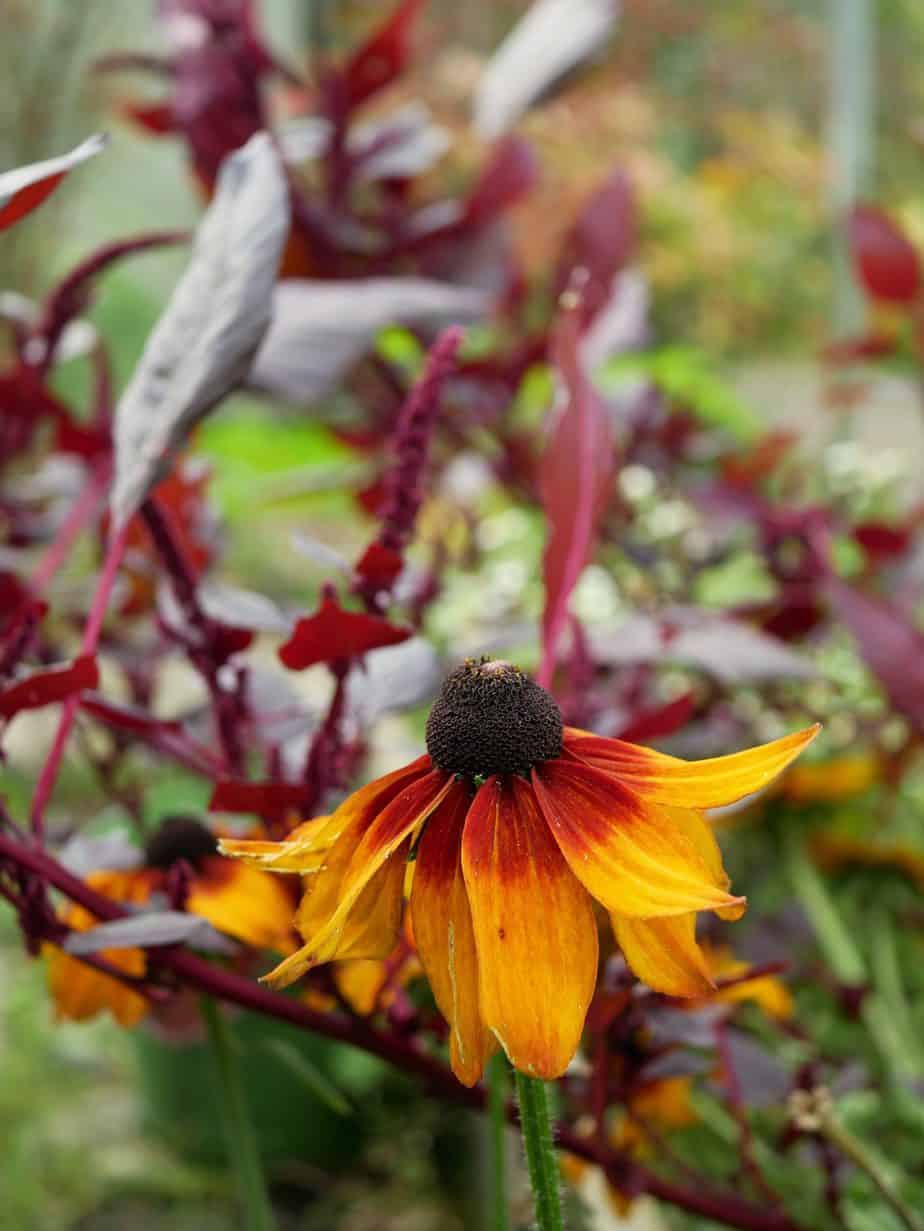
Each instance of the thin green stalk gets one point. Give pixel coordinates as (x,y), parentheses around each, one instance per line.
(242,1143)
(497,1128)
(540,1153)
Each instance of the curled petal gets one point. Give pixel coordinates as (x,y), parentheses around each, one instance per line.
(445,939)
(627,852)
(713,783)
(305,846)
(354,907)
(664,954)
(535,932)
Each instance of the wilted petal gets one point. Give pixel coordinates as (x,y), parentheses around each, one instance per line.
(445,939)
(712,783)
(664,954)
(535,932)
(629,853)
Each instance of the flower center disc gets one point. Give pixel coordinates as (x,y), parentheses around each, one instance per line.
(179,837)
(490,718)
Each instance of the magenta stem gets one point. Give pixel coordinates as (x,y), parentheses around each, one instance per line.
(81,513)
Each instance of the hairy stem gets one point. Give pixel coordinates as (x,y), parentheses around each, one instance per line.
(541,1160)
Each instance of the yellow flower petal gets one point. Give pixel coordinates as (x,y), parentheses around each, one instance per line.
(243,902)
(445,939)
(664,954)
(712,783)
(535,932)
(631,855)
(302,851)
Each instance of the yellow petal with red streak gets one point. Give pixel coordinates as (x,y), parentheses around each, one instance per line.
(445,940)
(535,932)
(628,853)
(712,783)
(357,898)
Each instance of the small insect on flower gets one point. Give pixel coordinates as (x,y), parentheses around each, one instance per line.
(236,899)
(516,824)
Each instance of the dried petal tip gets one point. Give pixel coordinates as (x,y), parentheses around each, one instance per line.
(176,838)
(490,718)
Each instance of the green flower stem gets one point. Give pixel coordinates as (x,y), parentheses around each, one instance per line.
(497,1126)
(540,1153)
(242,1143)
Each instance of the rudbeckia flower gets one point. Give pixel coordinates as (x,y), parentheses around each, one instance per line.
(516,825)
(237,900)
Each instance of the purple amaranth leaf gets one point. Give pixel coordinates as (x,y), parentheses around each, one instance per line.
(377,62)
(49,686)
(551,39)
(25,188)
(600,243)
(204,343)
(891,646)
(321,329)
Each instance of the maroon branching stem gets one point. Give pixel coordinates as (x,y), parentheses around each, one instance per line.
(404,482)
(739,1111)
(70,297)
(722,1207)
(324,747)
(226,705)
(47,778)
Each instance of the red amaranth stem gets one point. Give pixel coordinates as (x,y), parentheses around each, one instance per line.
(722,1207)
(225,705)
(81,513)
(404,482)
(47,778)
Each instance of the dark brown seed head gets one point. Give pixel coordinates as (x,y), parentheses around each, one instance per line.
(490,718)
(176,838)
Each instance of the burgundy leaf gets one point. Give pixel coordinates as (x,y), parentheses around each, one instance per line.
(508,176)
(264,799)
(852,350)
(384,55)
(885,259)
(333,634)
(601,242)
(661,722)
(155,118)
(575,474)
(48,686)
(883,542)
(379,566)
(892,648)
(25,188)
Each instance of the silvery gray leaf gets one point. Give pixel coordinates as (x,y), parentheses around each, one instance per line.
(149,929)
(203,345)
(552,37)
(395,677)
(320,553)
(727,649)
(18,179)
(111,852)
(242,608)
(621,325)
(321,329)
(407,143)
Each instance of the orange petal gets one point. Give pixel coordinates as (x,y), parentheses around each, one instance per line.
(243,902)
(664,954)
(713,783)
(627,852)
(79,992)
(702,836)
(535,932)
(445,939)
(356,901)
(360,983)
